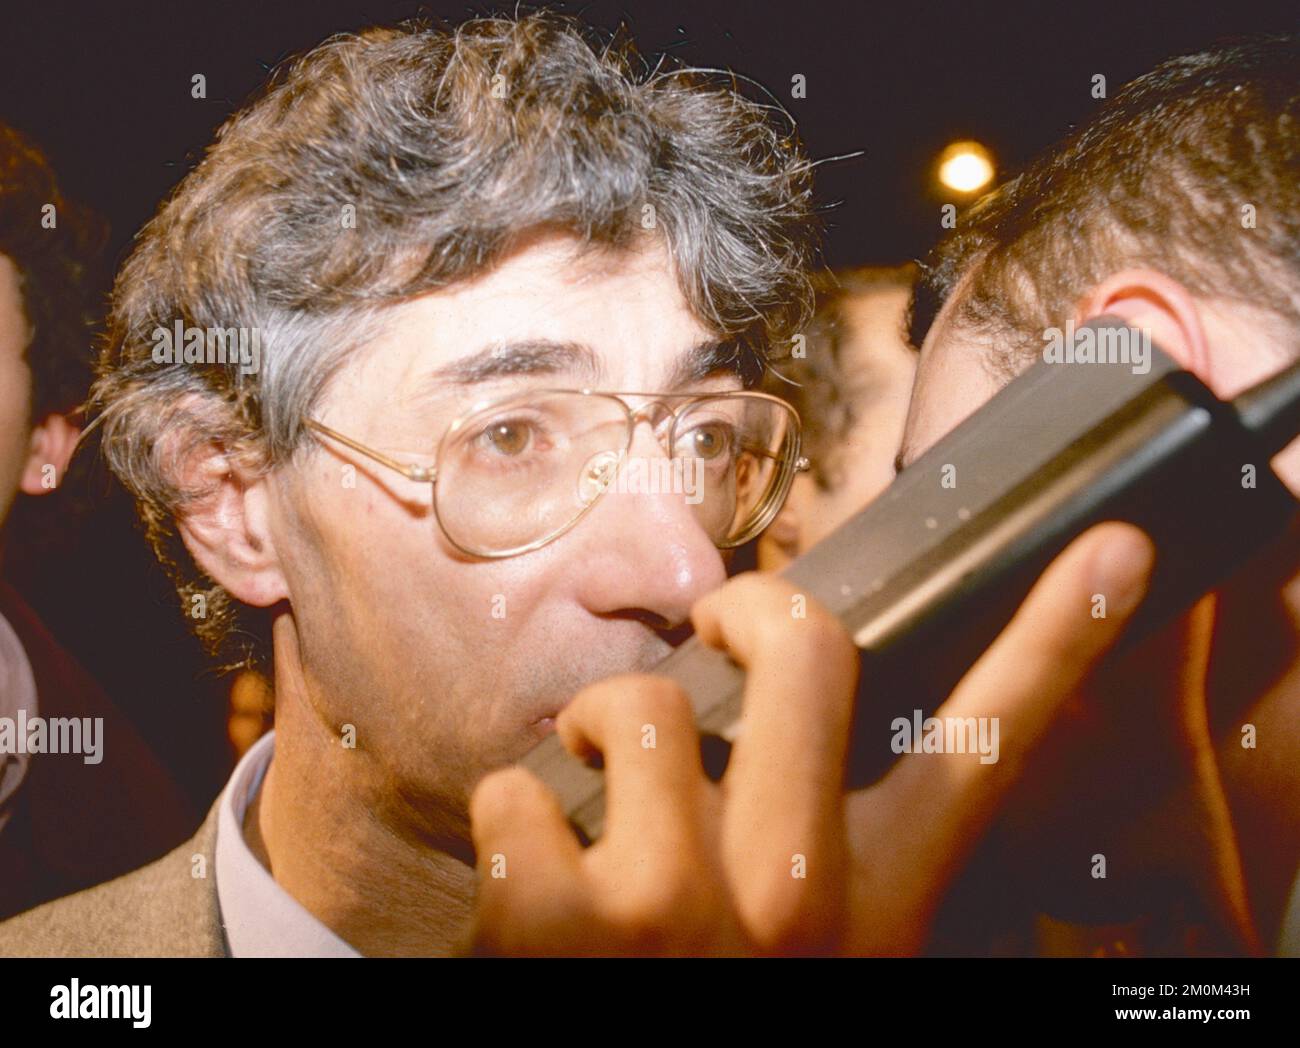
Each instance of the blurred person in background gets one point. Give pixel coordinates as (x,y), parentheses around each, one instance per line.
(851,387)
(250,714)
(64,823)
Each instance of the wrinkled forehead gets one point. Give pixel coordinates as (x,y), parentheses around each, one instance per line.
(551,314)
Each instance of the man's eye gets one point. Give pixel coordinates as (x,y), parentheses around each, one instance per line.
(508,437)
(709,441)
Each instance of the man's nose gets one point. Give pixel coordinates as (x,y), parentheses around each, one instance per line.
(644,549)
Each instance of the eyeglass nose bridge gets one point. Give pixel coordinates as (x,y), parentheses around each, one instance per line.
(655,411)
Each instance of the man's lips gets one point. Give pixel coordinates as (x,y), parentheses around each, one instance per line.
(544,724)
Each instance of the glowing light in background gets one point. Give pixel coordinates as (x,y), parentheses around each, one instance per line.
(965,167)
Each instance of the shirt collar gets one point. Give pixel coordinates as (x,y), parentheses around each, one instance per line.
(261,919)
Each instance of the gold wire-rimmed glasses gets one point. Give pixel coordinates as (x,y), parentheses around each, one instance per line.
(513,474)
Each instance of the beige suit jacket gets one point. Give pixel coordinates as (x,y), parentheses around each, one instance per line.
(160,910)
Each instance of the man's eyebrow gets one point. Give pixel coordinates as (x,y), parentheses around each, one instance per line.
(540,356)
(703,360)
(534,356)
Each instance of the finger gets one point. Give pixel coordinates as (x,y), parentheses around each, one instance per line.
(529,864)
(1047,652)
(783,825)
(644,728)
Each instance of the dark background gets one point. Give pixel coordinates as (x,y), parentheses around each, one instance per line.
(105,89)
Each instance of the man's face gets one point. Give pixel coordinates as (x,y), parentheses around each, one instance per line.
(877,367)
(15,387)
(448,665)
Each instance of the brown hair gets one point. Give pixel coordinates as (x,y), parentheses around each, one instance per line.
(1162,176)
(58,270)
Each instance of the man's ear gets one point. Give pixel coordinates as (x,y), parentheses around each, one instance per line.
(227,526)
(49,452)
(1153,302)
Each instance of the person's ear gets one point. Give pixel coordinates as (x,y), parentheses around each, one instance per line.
(50,449)
(1153,302)
(227,526)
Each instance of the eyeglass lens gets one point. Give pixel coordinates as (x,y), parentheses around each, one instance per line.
(519,472)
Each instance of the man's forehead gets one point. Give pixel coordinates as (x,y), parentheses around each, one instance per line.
(551,315)
(575,362)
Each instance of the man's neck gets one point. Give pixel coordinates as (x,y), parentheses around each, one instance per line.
(1254,703)
(385,893)
(1257,636)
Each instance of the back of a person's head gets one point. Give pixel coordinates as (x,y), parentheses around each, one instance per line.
(1190,170)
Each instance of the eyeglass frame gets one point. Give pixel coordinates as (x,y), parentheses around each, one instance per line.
(795,462)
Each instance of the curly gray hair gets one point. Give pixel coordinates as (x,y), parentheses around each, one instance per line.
(448,146)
